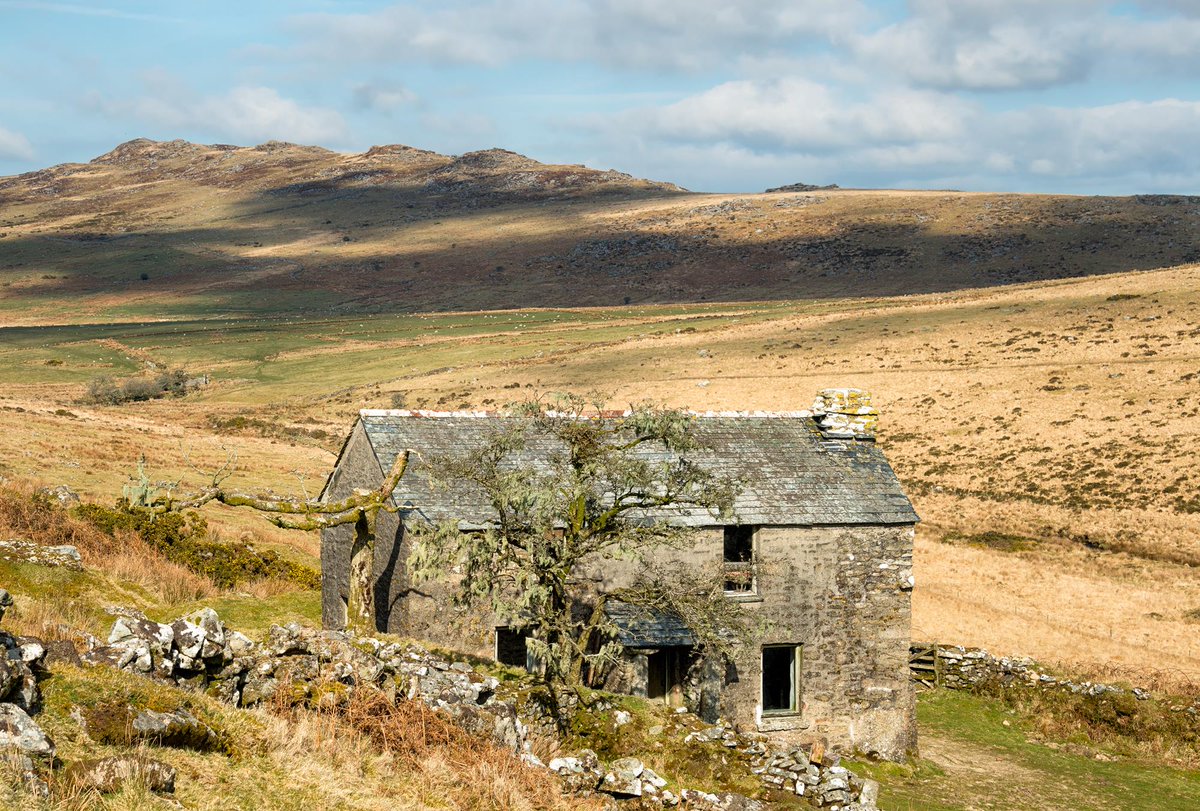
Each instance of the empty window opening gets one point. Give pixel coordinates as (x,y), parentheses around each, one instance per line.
(781,678)
(511,648)
(739,559)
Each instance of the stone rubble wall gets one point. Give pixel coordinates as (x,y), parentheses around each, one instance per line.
(960,668)
(811,772)
(23,664)
(322,668)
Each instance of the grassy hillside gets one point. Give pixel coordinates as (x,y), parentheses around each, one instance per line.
(1036,360)
(1041,430)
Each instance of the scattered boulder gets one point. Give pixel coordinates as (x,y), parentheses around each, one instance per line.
(111,773)
(179,729)
(703,801)
(623,778)
(580,774)
(65,496)
(18,730)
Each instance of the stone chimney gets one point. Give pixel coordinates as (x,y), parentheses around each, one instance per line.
(845,414)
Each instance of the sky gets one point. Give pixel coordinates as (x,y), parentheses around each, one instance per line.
(1065,96)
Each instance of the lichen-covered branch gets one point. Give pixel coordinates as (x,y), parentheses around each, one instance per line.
(360,508)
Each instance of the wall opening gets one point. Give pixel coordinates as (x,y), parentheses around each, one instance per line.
(781,679)
(511,647)
(739,559)
(666,671)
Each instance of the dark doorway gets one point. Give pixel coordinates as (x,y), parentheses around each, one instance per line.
(666,671)
(511,648)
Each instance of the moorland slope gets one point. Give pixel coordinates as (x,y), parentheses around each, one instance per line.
(1041,408)
(175,229)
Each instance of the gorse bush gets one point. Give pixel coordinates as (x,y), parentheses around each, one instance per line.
(105,390)
(183,538)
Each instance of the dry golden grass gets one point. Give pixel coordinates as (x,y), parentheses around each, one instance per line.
(445,766)
(1066,413)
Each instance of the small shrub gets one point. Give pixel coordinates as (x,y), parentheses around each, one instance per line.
(137,389)
(104,390)
(264,427)
(1000,541)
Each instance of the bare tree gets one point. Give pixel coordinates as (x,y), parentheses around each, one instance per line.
(591,500)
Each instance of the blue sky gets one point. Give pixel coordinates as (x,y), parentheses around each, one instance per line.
(1077,96)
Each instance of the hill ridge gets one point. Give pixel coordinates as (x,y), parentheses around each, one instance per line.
(154,228)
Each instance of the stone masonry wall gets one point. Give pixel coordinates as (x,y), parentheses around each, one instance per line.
(842,593)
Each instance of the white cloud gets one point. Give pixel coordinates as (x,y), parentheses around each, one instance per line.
(243,113)
(988,44)
(993,45)
(14,145)
(383,96)
(1155,137)
(801,129)
(799,115)
(678,34)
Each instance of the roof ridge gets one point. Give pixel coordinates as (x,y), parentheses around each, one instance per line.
(608,414)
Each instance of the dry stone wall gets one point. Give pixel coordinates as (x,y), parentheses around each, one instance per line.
(960,668)
(322,668)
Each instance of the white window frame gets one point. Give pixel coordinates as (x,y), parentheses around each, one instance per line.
(797,660)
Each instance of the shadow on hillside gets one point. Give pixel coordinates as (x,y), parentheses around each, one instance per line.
(643,259)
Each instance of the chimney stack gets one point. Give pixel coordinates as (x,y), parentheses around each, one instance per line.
(845,414)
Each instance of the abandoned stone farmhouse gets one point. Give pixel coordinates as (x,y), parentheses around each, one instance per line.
(820,548)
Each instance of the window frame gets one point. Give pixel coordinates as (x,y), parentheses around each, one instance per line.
(797,650)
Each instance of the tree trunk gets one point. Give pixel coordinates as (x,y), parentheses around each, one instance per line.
(360,609)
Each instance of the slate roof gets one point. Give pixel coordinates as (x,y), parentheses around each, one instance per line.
(788,471)
(640,627)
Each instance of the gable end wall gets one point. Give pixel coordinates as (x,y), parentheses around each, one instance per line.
(357,468)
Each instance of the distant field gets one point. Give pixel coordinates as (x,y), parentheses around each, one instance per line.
(1045,432)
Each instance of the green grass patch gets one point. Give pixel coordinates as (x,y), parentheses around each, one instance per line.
(254,615)
(973,760)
